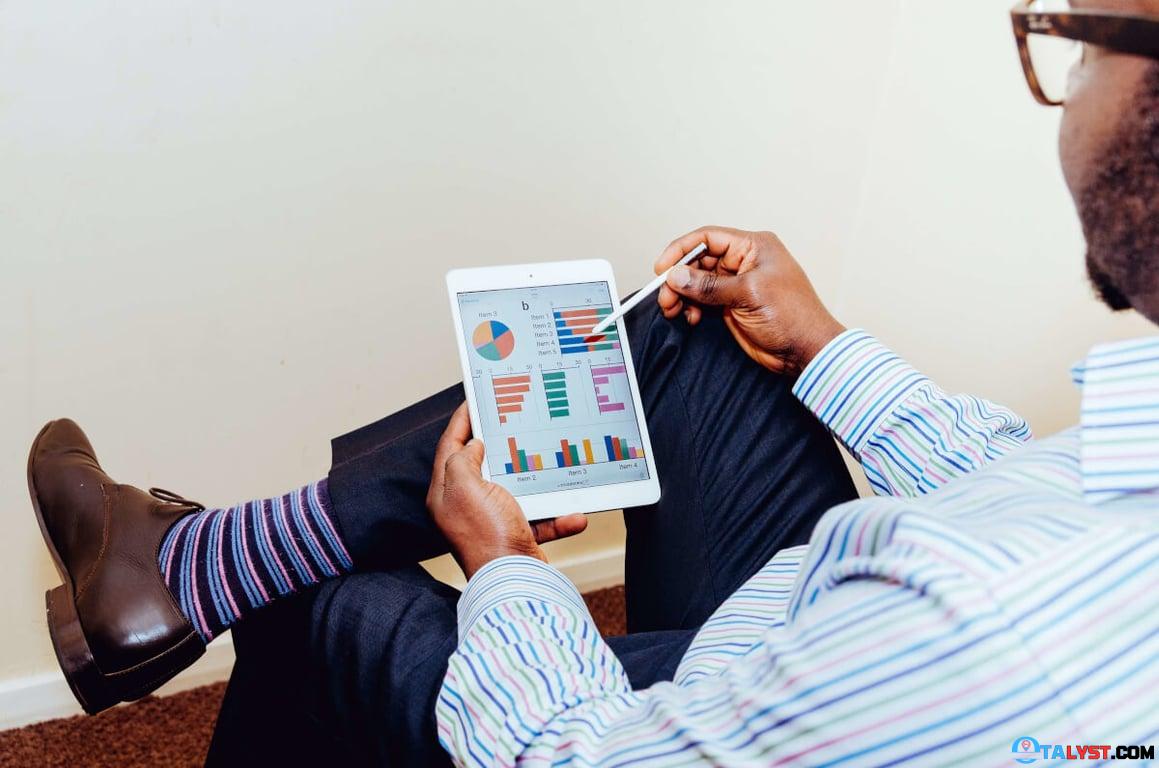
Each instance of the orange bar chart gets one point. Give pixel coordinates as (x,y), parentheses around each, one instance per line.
(510,394)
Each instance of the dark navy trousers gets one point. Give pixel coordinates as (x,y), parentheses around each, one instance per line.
(347,673)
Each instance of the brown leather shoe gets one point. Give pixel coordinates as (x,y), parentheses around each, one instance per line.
(117,631)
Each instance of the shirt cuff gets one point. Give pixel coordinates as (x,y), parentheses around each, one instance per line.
(854,384)
(516,577)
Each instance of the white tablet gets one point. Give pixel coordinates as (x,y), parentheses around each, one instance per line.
(558,409)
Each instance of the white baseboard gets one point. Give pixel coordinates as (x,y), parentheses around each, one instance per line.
(46,696)
(598,570)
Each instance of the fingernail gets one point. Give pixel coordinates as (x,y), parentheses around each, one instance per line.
(680,277)
(473,441)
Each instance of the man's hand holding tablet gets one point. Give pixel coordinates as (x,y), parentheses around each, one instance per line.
(555,403)
(481,520)
(539,376)
(554,408)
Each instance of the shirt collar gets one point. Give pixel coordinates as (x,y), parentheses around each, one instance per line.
(1120,419)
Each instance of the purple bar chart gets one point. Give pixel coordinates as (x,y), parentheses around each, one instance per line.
(611,385)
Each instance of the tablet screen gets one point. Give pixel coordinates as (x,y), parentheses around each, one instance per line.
(554,401)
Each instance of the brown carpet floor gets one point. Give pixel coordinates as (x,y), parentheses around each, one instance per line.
(175,730)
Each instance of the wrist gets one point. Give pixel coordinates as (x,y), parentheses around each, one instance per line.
(816,339)
(472,562)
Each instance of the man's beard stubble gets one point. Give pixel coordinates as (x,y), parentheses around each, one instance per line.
(1119,208)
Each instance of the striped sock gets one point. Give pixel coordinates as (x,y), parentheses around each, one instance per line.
(221,564)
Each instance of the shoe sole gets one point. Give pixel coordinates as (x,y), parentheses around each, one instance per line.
(68,638)
(95,690)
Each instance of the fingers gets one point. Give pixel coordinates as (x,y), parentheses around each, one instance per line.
(672,305)
(466,463)
(456,433)
(454,436)
(459,427)
(706,287)
(558,528)
(726,248)
(669,301)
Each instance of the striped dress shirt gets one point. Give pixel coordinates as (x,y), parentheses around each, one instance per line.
(997,591)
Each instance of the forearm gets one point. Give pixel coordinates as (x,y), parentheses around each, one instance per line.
(909,436)
(849,676)
(528,651)
(533,681)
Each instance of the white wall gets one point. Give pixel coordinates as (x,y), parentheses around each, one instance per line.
(223,225)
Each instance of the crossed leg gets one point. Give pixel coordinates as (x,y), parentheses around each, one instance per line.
(350,670)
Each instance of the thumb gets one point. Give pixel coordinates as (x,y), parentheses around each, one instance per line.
(558,528)
(468,460)
(705,286)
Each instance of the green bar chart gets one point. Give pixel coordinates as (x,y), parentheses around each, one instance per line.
(555,389)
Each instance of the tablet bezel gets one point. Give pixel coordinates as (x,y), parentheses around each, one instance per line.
(547,504)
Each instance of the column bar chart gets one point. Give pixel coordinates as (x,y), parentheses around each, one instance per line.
(619,450)
(521,461)
(577,454)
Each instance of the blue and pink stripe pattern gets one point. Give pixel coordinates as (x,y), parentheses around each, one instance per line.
(221,564)
(1120,419)
(985,595)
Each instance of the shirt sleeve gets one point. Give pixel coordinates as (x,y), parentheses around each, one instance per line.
(848,682)
(533,682)
(528,652)
(909,436)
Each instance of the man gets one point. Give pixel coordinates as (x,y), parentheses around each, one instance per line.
(997,596)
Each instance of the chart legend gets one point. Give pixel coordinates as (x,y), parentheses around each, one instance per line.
(573,330)
(555,390)
(510,394)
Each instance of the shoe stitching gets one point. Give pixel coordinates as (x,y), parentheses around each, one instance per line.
(150,684)
(179,645)
(107,507)
(170,600)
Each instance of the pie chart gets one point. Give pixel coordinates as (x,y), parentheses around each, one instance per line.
(493,340)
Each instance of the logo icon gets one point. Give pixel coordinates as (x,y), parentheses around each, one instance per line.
(1039,23)
(1026,750)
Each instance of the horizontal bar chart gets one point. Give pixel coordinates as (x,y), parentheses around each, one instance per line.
(555,391)
(602,377)
(510,393)
(573,330)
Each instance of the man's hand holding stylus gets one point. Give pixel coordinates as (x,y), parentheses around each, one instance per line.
(768,302)
(481,520)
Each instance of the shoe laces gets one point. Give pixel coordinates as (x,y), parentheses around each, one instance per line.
(175,498)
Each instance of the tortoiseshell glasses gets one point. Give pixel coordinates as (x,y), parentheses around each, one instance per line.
(1052,42)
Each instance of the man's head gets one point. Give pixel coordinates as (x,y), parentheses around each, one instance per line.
(1109,146)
